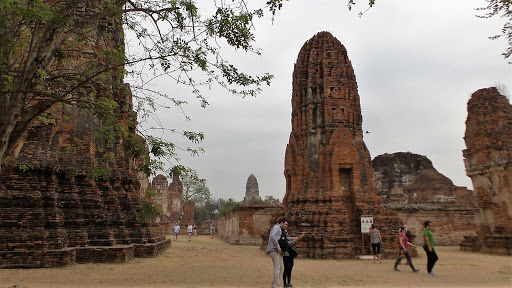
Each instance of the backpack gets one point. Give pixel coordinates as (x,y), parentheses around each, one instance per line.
(283,241)
(292,250)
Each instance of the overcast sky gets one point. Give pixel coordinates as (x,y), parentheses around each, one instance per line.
(416,63)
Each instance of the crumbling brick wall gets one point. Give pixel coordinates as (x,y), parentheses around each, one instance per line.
(488,163)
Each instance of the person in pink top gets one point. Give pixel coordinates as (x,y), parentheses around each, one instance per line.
(403,241)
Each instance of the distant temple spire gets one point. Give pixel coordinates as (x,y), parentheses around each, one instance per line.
(251,188)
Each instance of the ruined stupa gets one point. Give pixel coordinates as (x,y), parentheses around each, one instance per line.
(67,196)
(329,176)
(251,188)
(488,160)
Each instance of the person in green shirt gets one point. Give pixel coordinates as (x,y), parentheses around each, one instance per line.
(429,248)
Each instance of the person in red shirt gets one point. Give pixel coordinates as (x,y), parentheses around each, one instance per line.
(403,241)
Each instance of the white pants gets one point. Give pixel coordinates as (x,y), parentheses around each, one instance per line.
(276,260)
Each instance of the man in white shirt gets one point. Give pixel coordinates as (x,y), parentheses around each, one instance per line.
(274,250)
(190,228)
(176,231)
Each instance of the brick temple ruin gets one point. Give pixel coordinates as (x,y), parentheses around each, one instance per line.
(488,160)
(57,207)
(169,197)
(245,224)
(329,176)
(410,185)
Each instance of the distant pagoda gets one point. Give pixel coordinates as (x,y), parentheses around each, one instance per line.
(251,188)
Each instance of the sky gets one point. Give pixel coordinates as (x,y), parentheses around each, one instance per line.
(416,63)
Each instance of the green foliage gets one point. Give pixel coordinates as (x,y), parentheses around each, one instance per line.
(147,209)
(98,173)
(194,187)
(47,121)
(207,211)
(256,201)
(225,206)
(213,209)
(148,212)
(151,193)
(269,200)
(24,167)
(70,173)
(176,41)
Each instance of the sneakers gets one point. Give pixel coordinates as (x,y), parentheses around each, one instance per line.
(416,270)
(396,269)
(431,274)
(288,286)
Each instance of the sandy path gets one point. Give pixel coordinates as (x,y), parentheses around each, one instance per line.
(204,262)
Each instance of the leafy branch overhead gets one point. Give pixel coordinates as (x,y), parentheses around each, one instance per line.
(503,9)
(40,66)
(73,52)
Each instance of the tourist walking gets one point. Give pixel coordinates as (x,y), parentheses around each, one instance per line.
(195,230)
(176,230)
(376,240)
(429,248)
(212,230)
(190,229)
(274,251)
(288,256)
(403,241)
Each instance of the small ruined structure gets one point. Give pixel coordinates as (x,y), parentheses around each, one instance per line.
(410,185)
(160,187)
(329,176)
(169,197)
(182,213)
(243,225)
(251,189)
(488,160)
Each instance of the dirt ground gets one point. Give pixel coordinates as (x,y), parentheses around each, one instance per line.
(204,262)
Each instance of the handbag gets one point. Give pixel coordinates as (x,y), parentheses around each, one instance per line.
(292,250)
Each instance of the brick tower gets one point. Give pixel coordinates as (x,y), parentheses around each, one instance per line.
(329,177)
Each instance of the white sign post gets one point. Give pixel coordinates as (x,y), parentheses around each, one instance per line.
(366,222)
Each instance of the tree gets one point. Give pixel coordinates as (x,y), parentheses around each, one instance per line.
(272,201)
(269,200)
(39,68)
(256,201)
(194,187)
(225,206)
(502,8)
(148,210)
(208,211)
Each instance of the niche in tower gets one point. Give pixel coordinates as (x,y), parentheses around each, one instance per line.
(345,178)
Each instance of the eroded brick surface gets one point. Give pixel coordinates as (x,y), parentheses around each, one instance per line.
(329,176)
(57,207)
(410,185)
(488,160)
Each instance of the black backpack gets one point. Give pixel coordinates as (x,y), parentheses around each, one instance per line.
(283,241)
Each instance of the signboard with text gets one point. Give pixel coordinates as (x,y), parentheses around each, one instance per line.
(366,222)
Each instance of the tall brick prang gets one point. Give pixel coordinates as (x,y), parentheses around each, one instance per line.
(488,160)
(67,195)
(328,170)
